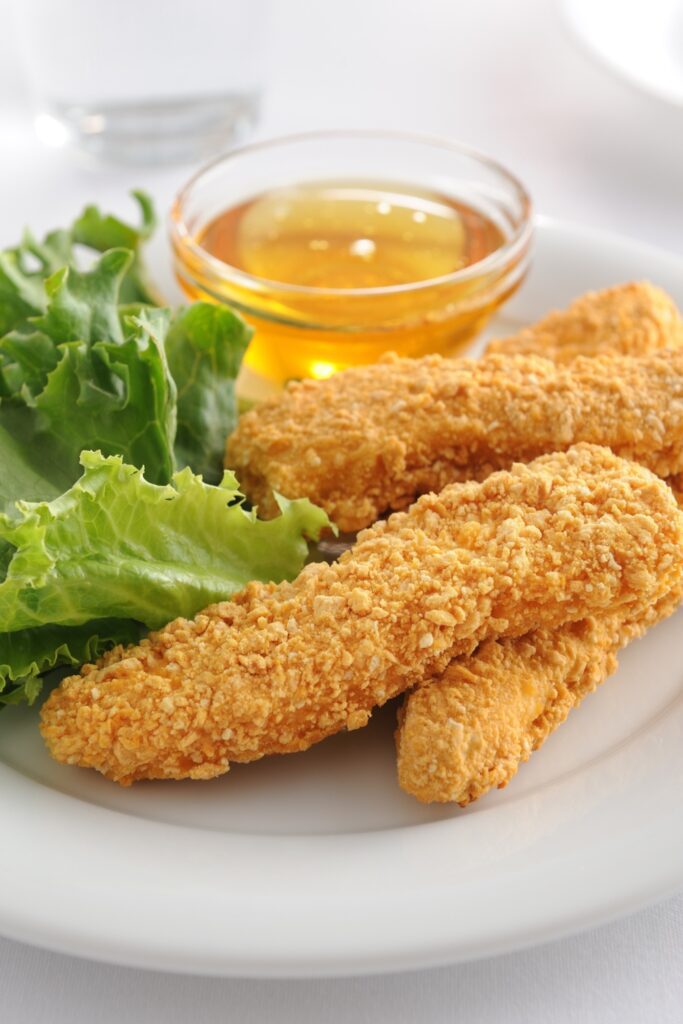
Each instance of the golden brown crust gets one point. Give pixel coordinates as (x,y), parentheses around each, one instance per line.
(373,438)
(281,667)
(471,729)
(631,319)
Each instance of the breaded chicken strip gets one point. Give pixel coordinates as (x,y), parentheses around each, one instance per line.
(631,319)
(472,728)
(372,438)
(283,666)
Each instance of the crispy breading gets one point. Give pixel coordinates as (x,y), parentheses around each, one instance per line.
(472,728)
(469,730)
(372,439)
(631,319)
(283,666)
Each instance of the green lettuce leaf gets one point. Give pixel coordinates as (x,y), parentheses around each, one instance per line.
(118,547)
(84,379)
(26,358)
(204,347)
(100,232)
(25,268)
(84,364)
(83,305)
(26,470)
(23,271)
(26,655)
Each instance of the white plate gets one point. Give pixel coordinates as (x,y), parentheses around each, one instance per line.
(317,863)
(641,40)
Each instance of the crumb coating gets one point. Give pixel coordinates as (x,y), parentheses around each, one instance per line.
(631,319)
(283,666)
(473,727)
(470,730)
(373,438)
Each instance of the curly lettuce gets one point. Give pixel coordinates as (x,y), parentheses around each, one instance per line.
(76,377)
(24,268)
(100,232)
(104,396)
(116,553)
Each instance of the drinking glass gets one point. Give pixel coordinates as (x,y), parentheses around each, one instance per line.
(143,80)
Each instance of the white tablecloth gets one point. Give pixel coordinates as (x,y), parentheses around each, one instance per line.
(507,78)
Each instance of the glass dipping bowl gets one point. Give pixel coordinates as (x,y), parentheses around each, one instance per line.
(302,331)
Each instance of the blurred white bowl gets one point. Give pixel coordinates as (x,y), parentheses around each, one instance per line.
(639,40)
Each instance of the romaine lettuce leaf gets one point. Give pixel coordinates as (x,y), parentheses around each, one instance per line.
(118,547)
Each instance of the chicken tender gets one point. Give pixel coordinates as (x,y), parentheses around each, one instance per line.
(472,728)
(373,438)
(283,666)
(631,319)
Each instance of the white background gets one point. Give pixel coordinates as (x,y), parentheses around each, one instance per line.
(505,76)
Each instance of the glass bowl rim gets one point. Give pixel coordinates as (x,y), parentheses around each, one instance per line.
(227,271)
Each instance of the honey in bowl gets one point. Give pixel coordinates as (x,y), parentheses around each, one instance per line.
(335,271)
(350,235)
